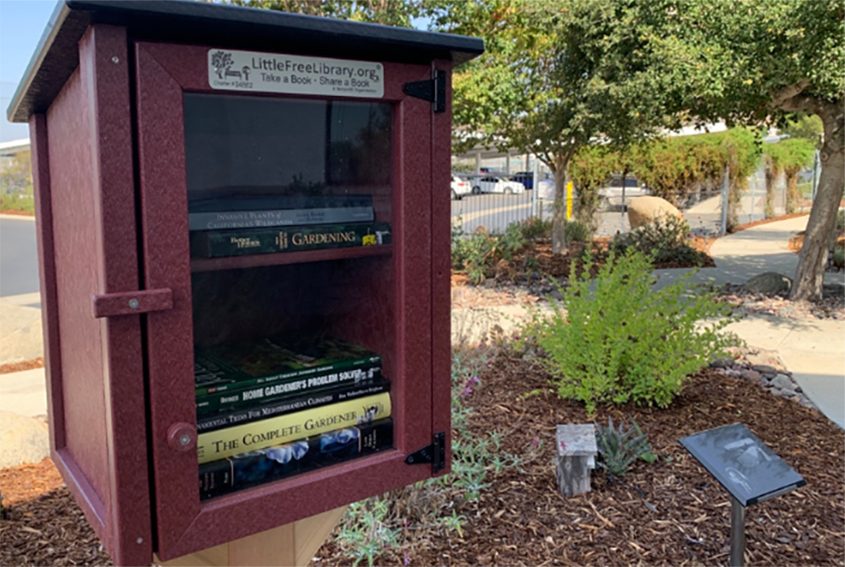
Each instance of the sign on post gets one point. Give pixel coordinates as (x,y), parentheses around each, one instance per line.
(749,470)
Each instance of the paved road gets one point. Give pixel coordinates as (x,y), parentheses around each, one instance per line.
(18,256)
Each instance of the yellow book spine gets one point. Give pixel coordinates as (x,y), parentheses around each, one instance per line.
(223,443)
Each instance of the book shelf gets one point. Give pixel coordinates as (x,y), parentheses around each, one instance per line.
(151,122)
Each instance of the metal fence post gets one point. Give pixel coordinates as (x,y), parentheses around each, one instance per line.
(725,190)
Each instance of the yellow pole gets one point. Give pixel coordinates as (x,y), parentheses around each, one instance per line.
(569,191)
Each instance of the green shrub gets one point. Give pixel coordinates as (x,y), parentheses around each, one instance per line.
(620,447)
(577,231)
(536,229)
(665,240)
(620,340)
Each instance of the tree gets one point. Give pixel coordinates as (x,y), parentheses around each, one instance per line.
(754,63)
(389,12)
(555,76)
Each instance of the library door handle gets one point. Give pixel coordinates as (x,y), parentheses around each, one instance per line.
(131,302)
(182,437)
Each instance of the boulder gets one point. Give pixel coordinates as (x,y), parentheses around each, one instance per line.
(769,283)
(647,209)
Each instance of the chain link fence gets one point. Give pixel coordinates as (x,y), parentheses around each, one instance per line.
(705,208)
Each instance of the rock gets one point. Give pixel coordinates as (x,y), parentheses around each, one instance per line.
(769,283)
(782,382)
(722,363)
(22,440)
(647,209)
(750,375)
(765,369)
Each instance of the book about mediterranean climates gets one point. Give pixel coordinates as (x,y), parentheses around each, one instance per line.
(223,443)
(289,405)
(247,241)
(273,463)
(245,364)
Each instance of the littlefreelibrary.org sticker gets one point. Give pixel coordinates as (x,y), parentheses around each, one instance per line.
(293,74)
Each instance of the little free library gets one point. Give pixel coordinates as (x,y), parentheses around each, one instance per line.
(243,231)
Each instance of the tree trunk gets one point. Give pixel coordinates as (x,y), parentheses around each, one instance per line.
(809,277)
(559,216)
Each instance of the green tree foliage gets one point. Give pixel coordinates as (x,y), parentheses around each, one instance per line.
(389,12)
(789,156)
(756,62)
(555,76)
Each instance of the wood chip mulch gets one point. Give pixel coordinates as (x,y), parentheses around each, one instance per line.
(671,512)
(42,523)
(10,367)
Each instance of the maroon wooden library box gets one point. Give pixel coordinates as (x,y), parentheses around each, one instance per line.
(141,114)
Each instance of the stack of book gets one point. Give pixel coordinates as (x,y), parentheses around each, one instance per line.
(239,225)
(276,407)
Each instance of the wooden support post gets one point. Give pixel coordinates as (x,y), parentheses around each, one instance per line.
(576,457)
(292,544)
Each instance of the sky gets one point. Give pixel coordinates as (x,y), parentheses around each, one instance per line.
(21,24)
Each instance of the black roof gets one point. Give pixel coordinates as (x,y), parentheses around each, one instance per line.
(188,21)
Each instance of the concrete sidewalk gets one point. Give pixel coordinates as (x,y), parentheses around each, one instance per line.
(812,349)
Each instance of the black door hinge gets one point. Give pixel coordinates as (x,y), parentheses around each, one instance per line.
(434,454)
(432,90)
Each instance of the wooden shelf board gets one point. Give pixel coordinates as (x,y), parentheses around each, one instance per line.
(280,258)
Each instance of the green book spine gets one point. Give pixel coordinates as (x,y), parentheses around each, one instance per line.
(223,443)
(229,378)
(238,242)
(250,396)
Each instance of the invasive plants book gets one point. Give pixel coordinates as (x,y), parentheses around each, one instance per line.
(223,443)
(246,241)
(280,461)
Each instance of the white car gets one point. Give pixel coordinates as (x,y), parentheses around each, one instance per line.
(491,184)
(460,188)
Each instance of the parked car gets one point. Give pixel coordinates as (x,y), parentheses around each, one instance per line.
(460,188)
(524,177)
(491,184)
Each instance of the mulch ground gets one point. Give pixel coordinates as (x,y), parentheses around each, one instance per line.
(669,512)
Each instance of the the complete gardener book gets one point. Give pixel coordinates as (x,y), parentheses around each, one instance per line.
(223,443)
(280,461)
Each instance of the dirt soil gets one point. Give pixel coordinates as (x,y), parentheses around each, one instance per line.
(670,512)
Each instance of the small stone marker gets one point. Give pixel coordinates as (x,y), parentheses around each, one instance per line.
(576,457)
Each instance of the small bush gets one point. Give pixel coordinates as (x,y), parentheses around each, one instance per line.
(666,240)
(576,231)
(620,447)
(620,340)
(536,229)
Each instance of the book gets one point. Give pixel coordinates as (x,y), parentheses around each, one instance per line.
(243,364)
(216,220)
(264,198)
(230,441)
(243,241)
(289,405)
(257,467)
(246,398)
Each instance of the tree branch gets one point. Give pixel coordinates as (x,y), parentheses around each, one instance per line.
(787,93)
